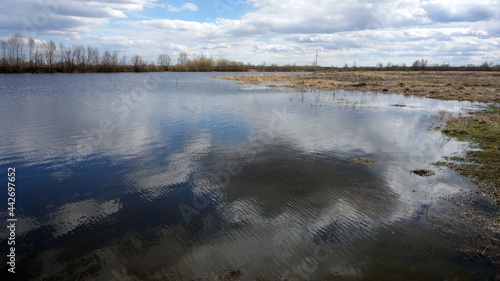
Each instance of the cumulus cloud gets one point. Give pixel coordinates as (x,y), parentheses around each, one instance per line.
(459,11)
(62,17)
(185,6)
(329,17)
(275,31)
(72,215)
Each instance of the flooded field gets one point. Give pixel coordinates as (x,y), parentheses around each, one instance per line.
(177,176)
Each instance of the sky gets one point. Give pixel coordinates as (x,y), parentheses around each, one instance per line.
(352,32)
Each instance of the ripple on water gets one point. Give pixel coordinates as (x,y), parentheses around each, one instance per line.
(270,179)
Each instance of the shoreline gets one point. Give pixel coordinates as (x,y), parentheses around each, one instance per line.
(480,128)
(480,86)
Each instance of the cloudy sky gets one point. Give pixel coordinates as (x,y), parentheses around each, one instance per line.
(269,31)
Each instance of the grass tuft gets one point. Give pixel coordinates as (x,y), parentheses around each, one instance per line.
(483,130)
(423,172)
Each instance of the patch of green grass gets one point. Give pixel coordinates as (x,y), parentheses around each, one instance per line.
(483,130)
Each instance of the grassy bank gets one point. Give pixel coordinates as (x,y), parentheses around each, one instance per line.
(479,86)
(482,128)
(483,165)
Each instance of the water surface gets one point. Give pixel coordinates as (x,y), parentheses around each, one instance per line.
(164,176)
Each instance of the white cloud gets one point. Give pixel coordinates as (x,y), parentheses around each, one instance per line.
(290,17)
(72,215)
(275,31)
(185,6)
(62,17)
(461,11)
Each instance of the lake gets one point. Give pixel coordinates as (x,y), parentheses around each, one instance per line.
(173,176)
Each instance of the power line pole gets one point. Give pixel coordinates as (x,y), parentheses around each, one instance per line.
(316,57)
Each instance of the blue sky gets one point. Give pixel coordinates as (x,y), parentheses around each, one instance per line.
(269,31)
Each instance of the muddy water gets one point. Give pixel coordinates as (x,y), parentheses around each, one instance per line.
(169,176)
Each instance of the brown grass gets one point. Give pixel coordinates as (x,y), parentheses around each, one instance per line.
(451,85)
(366,161)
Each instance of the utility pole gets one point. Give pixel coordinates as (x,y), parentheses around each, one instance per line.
(316,57)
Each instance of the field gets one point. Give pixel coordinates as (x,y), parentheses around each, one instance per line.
(447,85)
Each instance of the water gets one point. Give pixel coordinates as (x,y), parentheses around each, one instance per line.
(168,176)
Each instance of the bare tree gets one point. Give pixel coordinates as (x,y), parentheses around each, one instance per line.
(11,53)
(485,66)
(50,54)
(92,58)
(16,51)
(183,58)
(164,61)
(38,57)
(114,61)
(79,56)
(3,43)
(61,55)
(423,63)
(417,65)
(69,60)
(31,54)
(138,63)
(123,61)
(106,61)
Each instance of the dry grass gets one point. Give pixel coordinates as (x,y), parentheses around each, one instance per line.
(459,85)
(366,161)
(259,78)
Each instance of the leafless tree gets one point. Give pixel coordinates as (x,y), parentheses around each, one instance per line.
(31,54)
(138,63)
(123,61)
(38,57)
(69,60)
(92,58)
(106,61)
(3,43)
(183,58)
(114,61)
(79,55)
(164,61)
(16,51)
(423,63)
(50,55)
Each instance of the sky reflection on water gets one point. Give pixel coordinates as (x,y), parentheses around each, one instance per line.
(179,175)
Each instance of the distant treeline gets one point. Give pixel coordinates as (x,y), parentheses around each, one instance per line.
(21,55)
(419,65)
